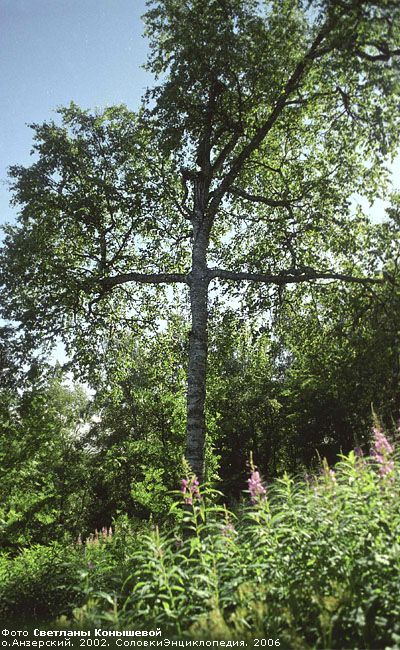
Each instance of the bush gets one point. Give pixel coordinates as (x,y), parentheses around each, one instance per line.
(312,562)
(40,582)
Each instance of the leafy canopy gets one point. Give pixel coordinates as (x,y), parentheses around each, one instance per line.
(285,108)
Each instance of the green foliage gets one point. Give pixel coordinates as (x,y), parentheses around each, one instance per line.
(245,400)
(136,443)
(99,171)
(288,108)
(151,492)
(40,583)
(315,564)
(340,348)
(43,466)
(268,117)
(296,381)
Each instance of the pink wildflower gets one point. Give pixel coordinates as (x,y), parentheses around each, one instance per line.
(381,443)
(386,468)
(190,490)
(381,451)
(104,534)
(256,488)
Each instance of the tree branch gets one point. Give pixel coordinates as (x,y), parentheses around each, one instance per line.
(144,278)
(291,85)
(256,198)
(224,153)
(291,276)
(385,53)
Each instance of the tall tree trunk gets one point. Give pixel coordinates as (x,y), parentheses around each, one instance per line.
(196,389)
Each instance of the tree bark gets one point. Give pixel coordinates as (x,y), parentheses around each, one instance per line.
(198,346)
(196,388)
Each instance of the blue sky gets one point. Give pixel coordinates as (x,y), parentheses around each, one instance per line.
(55,51)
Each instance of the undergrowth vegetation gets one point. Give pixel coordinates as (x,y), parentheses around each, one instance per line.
(313,561)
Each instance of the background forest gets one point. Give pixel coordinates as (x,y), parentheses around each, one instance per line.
(291,399)
(230,320)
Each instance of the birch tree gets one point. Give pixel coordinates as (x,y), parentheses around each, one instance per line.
(238,171)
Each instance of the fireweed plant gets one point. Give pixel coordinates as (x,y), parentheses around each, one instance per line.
(315,563)
(312,562)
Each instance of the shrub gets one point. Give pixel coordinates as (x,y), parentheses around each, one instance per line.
(40,582)
(313,562)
